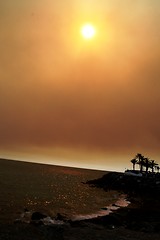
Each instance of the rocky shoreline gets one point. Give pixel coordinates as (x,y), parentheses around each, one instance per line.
(140,219)
(143,212)
(148,184)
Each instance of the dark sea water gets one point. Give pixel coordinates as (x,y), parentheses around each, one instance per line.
(51,190)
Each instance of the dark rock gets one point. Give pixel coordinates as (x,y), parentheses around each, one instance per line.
(26,210)
(115,205)
(36,216)
(104,208)
(61,217)
(149,184)
(108,220)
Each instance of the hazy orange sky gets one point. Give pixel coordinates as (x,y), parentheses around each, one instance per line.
(71,101)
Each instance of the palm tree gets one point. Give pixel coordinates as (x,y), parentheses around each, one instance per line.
(153,165)
(140,161)
(146,163)
(134,161)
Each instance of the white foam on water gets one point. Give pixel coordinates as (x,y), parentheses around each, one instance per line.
(121,202)
(25,217)
(50,221)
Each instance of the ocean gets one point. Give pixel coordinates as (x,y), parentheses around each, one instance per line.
(51,190)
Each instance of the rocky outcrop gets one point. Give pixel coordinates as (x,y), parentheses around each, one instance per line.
(149,184)
(144,194)
(36,216)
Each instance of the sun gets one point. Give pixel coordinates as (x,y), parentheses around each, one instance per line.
(88,31)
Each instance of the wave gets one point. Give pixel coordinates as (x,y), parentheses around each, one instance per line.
(121,202)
